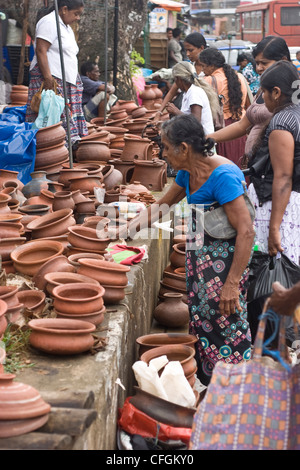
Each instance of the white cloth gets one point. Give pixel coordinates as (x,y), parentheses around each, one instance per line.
(196,95)
(46,29)
(289,228)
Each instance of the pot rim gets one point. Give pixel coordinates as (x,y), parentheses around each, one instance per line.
(42,325)
(88,230)
(32,246)
(104,265)
(44,222)
(78,285)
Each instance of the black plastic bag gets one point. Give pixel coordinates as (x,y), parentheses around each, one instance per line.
(264,271)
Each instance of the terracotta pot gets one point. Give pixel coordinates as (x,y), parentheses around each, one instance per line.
(9,295)
(10,230)
(92,150)
(50,225)
(86,183)
(147,93)
(172,312)
(63,200)
(157,91)
(3,326)
(95,318)
(74,259)
(113,294)
(29,258)
(135,188)
(177,257)
(14,313)
(78,297)
(13,205)
(4,199)
(57,264)
(61,278)
(126,168)
(33,300)
(86,238)
(35,209)
(151,173)
(111,176)
(136,126)
(50,157)
(105,272)
(9,175)
(151,341)
(7,245)
(118,114)
(20,401)
(136,148)
(46,198)
(96,222)
(128,105)
(138,112)
(66,173)
(97,136)
(174,352)
(17,427)
(63,239)
(11,217)
(94,169)
(61,336)
(50,136)
(38,182)
(175,279)
(85,207)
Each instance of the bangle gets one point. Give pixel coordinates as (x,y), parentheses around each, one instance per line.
(160,112)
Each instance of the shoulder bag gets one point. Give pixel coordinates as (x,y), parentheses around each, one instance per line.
(216,223)
(219,121)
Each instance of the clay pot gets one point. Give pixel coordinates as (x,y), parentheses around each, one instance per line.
(151,341)
(93,151)
(34,301)
(19,401)
(126,168)
(11,217)
(175,278)
(86,238)
(118,114)
(50,136)
(172,312)
(46,197)
(7,245)
(95,318)
(94,169)
(136,148)
(177,257)
(35,209)
(105,272)
(96,222)
(51,157)
(57,264)
(136,126)
(38,182)
(113,294)
(3,326)
(14,313)
(17,427)
(29,258)
(58,279)
(151,173)
(19,95)
(4,199)
(10,230)
(53,224)
(138,112)
(63,200)
(85,207)
(135,188)
(9,295)
(78,298)
(97,136)
(63,239)
(111,176)
(13,205)
(174,352)
(66,173)
(128,105)
(74,259)
(61,336)
(86,183)
(9,175)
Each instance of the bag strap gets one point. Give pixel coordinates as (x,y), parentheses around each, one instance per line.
(214,83)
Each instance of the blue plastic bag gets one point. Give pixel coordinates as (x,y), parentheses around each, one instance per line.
(50,111)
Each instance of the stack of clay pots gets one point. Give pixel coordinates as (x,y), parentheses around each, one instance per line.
(22,408)
(87,239)
(51,150)
(111,275)
(19,95)
(14,308)
(174,277)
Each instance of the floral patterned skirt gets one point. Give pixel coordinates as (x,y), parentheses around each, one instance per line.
(220,338)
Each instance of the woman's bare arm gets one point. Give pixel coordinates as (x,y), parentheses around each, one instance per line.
(42,47)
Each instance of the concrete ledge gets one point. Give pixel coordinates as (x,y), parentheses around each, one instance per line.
(100,372)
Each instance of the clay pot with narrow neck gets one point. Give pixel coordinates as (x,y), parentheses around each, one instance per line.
(158,92)
(172,312)
(61,336)
(38,182)
(4,199)
(62,200)
(9,175)
(148,94)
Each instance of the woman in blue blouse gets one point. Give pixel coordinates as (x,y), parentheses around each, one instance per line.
(216,269)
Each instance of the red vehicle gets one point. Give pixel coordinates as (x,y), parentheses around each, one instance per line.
(277,18)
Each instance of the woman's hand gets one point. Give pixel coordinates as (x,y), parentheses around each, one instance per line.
(274,242)
(49,83)
(229,299)
(172,109)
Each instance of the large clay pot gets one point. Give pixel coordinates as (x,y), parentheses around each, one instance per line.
(151,173)
(19,95)
(57,279)
(174,352)
(50,157)
(86,183)
(151,341)
(136,148)
(172,312)
(50,136)
(78,298)
(9,175)
(105,272)
(86,238)
(63,200)
(29,258)
(92,151)
(61,336)
(136,126)
(66,173)
(38,182)
(128,105)
(34,301)
(57,264)
(111,176)
(7,245)
(126,168)
(50,225)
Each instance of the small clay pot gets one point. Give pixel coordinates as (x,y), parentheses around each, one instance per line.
(60,336)
(57,264)
(113,294)
(177,257)
(77,298)
(172,312)
(29,258)
(174,352)
(63,200)
(86,238)
(33,300)
(9,295)
(156,340)
(58,279)
(105,272)
(95,318)
(52,224)
(35,209)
